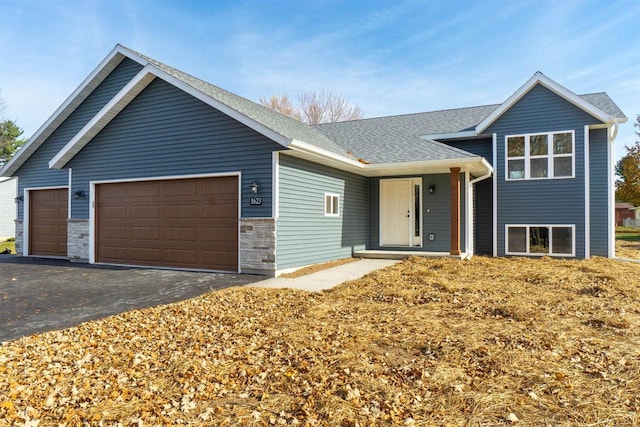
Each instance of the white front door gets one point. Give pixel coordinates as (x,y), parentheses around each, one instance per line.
(400,207)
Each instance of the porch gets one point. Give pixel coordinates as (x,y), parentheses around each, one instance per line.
(385,254)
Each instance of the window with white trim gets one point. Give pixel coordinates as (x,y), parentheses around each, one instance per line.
(331,204)
(540,155)
(558,240)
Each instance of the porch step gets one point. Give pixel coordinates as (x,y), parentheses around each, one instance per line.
(380,254)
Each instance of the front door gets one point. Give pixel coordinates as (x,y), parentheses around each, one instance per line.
(400,207)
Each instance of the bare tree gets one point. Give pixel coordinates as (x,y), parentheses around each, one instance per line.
(282,104)
(314,107)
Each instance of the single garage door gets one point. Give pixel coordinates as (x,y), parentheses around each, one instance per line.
(48,222)
(184,223)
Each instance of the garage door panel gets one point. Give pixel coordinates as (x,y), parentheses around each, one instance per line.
(144,189)
(48,222)
(190,223)
(145,233)
(151,211)
(182,211)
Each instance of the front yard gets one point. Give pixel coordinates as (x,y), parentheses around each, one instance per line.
(486,341)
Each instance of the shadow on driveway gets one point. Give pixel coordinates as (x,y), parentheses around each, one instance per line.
(38,294)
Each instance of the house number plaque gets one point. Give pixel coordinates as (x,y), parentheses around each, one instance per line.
(255,201)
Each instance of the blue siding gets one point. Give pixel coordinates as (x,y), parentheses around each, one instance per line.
(436,214)
(599,192)
(552,201)
(482,146)
(167,132)
(35,171)
(305,235)
(482,196)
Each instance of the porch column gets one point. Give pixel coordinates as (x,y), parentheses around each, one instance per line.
(455,211)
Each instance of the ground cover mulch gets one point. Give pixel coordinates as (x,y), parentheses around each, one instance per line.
(424,342)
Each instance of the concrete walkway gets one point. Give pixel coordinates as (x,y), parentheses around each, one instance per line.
(326,279)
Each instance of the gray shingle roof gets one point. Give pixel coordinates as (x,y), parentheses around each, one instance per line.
(398,138)
(602,101)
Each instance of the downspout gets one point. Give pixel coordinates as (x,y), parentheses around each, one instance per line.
(470,224)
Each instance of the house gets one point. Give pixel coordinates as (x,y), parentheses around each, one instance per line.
(7,208)
(144,164)
(624,211)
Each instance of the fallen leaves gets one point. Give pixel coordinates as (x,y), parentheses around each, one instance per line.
(485,341)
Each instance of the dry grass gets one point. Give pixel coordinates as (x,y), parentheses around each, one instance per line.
(425,342)
(8,244)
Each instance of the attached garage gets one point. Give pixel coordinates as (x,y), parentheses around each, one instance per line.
(48,222)
(184,223)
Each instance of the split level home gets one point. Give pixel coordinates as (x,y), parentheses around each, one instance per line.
(146,165)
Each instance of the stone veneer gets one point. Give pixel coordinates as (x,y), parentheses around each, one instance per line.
(258,246)
(78,240)
(19,237)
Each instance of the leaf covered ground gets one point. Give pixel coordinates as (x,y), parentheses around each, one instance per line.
(425,342)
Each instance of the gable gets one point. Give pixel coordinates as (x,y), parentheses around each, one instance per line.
(541,110)
(164,131)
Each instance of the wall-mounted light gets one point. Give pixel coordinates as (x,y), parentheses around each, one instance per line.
(254,187)
(78,194)
(432,189)
(19,199)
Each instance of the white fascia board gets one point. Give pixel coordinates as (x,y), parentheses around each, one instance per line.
(452,135)
(128,93)
(470,164)
(553,86)
(104,68)
(304,147)
(258,127)
(102,118)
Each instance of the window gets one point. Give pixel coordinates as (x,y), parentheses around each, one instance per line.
(331,204)
(540,155)
(540,240)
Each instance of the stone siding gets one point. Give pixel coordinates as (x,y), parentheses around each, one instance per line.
(78,240)
(258,246)
(19,237)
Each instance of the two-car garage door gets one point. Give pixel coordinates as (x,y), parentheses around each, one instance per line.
(184,223)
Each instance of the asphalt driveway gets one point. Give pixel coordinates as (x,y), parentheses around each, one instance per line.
(38,295)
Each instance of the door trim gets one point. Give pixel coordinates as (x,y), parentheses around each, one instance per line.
(92,202)
(26,213)
(411,231)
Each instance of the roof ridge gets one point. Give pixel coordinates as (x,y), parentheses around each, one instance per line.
(407,114)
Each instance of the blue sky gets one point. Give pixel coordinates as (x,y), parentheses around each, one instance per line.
(389,57)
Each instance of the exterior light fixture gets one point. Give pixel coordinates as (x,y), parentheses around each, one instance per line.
(78,194)
(254,187)
(19,199)
(432,189)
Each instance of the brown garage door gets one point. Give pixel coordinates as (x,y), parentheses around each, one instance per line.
(188,223)
(48,222)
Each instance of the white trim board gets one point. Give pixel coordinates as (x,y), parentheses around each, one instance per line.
(587,194)
(73,101)
(539,78)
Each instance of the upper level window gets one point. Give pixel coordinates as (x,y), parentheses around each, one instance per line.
(540,155)
(331,205)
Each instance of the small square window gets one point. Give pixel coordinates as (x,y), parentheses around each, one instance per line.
(562,241)
(331,205)
(517,240)
(516,146)
(562,166)
(538,145)
(539,240)
(562,143)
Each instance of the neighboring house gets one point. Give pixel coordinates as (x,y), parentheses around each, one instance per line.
(146,165)
(7,208)
(624,211)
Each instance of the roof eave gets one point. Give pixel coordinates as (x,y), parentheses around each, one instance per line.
(539,78)
(128,94)
(99,73)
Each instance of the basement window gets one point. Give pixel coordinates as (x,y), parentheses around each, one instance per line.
(331,204)
(558,240)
